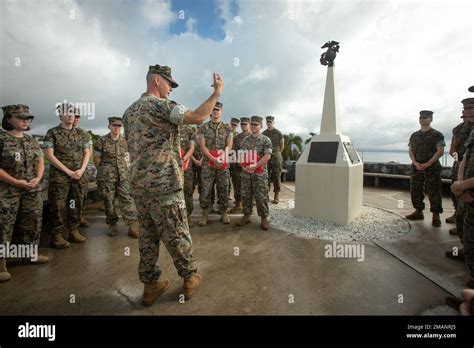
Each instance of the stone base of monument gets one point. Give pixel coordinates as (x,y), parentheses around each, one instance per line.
(329,177)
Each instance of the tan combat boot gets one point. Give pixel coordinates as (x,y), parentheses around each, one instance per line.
(4,274)
(203,219)
(244,221)
(436,221)
(58,242)
(84,223)
(41,259)
(276,198)
(264,224)
(451,219)
(133,229)
(76,237)
(191,284)
(416,215)
(237,209)
(113,230)
(154,290)
(225,219)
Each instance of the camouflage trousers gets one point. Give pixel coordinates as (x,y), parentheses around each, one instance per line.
(189,189)
(163,219)
(121,190)
(460,213)
(235,173)
(197,177)
(454,177)
(255,186)
(221,177)
(468,236)
(432,181)
(21,214)
(65,200)
(274,166)
(84,198)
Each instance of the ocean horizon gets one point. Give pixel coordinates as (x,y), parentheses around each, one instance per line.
(399,156)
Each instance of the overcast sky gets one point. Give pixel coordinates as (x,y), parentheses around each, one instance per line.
(396,58)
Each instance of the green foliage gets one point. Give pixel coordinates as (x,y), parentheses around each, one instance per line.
(293,147)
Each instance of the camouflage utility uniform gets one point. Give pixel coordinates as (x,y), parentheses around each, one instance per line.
(152,133)
(424,146)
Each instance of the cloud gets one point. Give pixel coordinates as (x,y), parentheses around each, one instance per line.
(396,58)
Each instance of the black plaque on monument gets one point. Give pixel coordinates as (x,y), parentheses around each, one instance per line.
(352,153)
(323,152)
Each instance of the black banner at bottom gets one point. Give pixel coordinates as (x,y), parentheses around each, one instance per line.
(138,330)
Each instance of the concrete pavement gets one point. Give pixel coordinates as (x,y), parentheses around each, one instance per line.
(245,271)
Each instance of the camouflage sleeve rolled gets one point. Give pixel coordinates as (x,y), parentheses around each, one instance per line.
(175,112)
(267,146)
(410,140)
(99,147)
(37,148)
(48,141)
(440,141)
(87,140)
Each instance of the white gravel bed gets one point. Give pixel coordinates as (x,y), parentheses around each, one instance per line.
(372,224)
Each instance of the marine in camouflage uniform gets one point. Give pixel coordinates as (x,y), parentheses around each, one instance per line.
(77,117)
(466,187)
(214,135)
(21,171)
(237,179)
(460,135)
(276,161)
(234,167)
(461,142)
(71,148)
(188,144)
(197,163)
(426,147)
(255,185)
(152,132)
(110,156)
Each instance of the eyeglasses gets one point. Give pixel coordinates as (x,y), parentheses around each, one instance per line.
(116,125)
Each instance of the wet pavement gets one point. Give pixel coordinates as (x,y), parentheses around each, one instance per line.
(247,271)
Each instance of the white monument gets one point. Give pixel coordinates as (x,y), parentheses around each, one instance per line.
(329,172)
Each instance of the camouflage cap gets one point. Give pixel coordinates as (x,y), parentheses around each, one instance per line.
(270,118)
(218,105)
(66,109)
(426,113)
(115,119)
(234,120)
(471,89)
(164,71)
(468,103)
(256,119)
(244,120)
(20,110)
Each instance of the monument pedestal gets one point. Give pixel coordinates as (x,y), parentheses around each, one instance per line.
(329,172)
